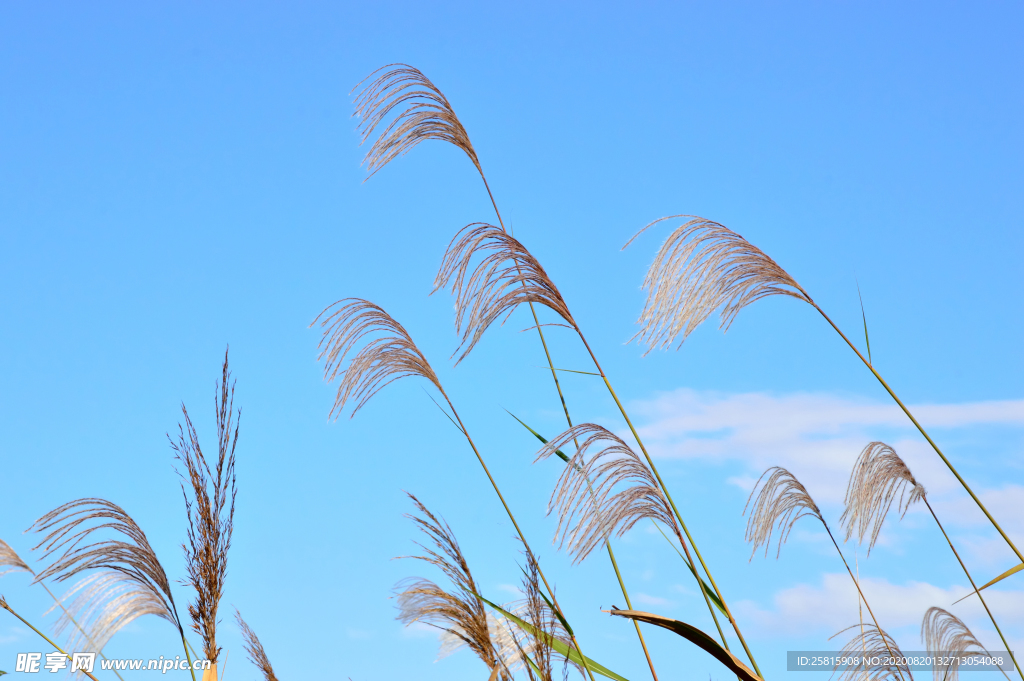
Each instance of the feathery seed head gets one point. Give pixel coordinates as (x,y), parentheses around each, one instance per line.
(877,477)
(611,492)
(701,267)
(254,648)
(879,648)
(942,631)
(387,356)
(10,559)
(506,276)
(781,502)
(421,112)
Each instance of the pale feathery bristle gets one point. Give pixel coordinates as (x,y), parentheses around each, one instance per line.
(388,355)
(11,560)
(878,477)
(946,636)
(701,267)
(505,276)
(457,610)
(879,648)
(604,489)
(253,647)
(781,502)
(68,530)
(210,510)
(420,112)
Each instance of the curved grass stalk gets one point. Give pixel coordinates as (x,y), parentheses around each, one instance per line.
(5,606)
(423,112)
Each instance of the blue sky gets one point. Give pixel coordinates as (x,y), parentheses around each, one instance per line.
(178,177)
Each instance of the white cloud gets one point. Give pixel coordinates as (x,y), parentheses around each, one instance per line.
(831,606)
(646,599)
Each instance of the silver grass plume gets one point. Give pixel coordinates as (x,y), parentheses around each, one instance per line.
(701,267)
(880,649)
(11,560)
(610,492)
(68,530)
(101,604)
(254,648)
(421,112)
(506,276)
(878,477)
(389,355)
(458,611)
(536,644)
(943,632)
(210,509)
(781,502)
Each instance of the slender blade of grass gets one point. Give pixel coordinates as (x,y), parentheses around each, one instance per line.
(561,455)
(1011,571)
(704,585)
(864,317)
(696,637)
(560,647)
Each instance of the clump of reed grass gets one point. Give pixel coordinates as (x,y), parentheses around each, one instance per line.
(388,355)
(879,478)
(880,650)
(458,610)
(945,633)
(506,276)
(254,649)
(781,502)
(608,493)
(142,587)
(210,509)
(701,267)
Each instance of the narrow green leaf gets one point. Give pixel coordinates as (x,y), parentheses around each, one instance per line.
(863,316)
(560,647)
(704,585)
(561,455)
(1015,569)
(696,637)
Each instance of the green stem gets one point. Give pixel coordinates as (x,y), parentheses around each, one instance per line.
(975,587)
(519,531)
(675,510)
(922,431)
(856,583)
(5,606)
(565,408)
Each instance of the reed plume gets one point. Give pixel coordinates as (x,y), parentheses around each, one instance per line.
(781,502)
(421,112)
(534,645)
(11,560)
(943,632)
(879,476)
(254,649)
(878,649)
(457,611)
(210,508)
(389,355)
(701,267)
(506,276)
(68,528)
(609,493)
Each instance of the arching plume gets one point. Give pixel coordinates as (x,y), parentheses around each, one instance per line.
(610,492)
(421,112)
(210,508)
(70,526)
(102,604)
(387,356)
(457,611)
(879,647)
(781,502)
(506,276)
(878,476)
(254,648)
(701,267)
(942,631)
(11,560)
